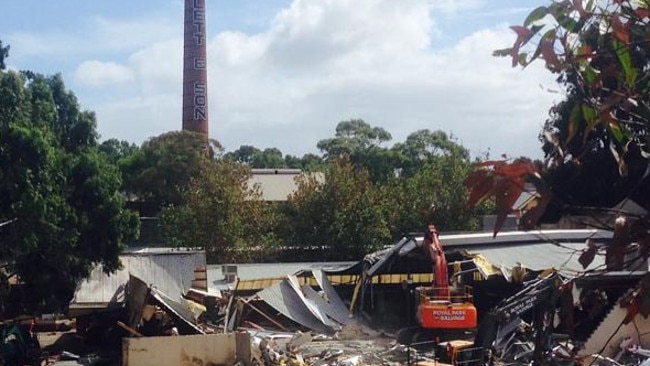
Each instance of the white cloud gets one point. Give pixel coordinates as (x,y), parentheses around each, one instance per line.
(52,43)
(309,35)
(320,62)
(128,34)
(97,73)
(158,67)
(455,6)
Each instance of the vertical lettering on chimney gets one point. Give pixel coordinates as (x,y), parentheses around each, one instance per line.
(195,83)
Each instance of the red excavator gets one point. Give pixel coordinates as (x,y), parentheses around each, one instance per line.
(442,310)
(440,306)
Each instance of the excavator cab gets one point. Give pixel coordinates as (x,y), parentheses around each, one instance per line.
(456,311)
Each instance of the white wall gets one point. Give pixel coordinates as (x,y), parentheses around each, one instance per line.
(193,350)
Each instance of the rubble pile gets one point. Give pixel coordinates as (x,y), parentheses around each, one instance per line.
(368,314)
(305,349)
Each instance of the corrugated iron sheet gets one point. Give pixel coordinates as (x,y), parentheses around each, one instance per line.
(311,305)
(169,271)
(283,297)
(325,306)
(563,258)
(506,250)
(336,309)
(177,309)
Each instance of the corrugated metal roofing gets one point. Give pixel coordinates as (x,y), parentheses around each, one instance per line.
(506,249)
(563,258)
(283,297)
(266,273)
(486,239)
(169,271)
(337,306)
(177,308)
(311,305)
(560,250)
(327,307)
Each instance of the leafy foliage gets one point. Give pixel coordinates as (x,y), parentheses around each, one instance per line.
(272,158)
(117,151)
(343,212)
(352,137)
(60,192)
(360,142)
(504,181)
(424,146)
(433,194)
(4,53)
(601,48)
(164,165)
(596,141)
(221,214)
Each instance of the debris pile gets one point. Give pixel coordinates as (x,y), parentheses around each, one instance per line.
(356,315)
(306,349)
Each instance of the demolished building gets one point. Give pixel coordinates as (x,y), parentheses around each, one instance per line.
(339,300)
(379,288)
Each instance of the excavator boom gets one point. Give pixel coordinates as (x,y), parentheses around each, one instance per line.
(439,262)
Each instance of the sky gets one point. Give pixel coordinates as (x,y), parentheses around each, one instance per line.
(284,73)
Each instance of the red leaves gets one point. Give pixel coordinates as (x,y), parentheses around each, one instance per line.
(530,219)
(502,181)
(577,5)
(638,300)
(481,185)
(642,13)
(621,31)
(548,53)
(523,35)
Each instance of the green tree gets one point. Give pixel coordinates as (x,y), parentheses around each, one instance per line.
(246,154)
(63,198)
(308,163)
(4,53)
(343,211)
(270,158)
(434,194)
(117,151)
(75,129)
(164,166)
(353,137)
(423,147)
(361,143)
(221,214)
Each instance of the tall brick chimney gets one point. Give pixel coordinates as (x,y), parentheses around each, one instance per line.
(195,78)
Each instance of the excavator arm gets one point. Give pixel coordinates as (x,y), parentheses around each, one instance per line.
(433,248)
